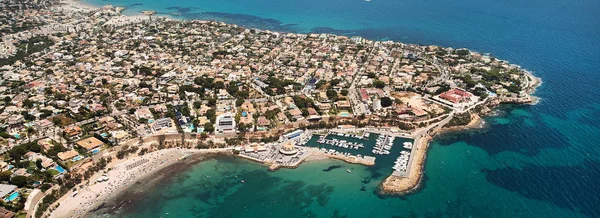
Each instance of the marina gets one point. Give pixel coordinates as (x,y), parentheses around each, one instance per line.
(383,145)
(401,164)
(340,143)
(390,151)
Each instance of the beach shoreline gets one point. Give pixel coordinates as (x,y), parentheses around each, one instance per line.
(392,184)
(122,175)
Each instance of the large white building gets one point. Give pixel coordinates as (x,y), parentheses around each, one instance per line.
(225,123)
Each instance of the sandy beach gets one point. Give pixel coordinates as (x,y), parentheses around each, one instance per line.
(73,5)
(120,176)
(117,20)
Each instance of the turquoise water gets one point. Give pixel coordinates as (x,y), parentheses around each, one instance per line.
(77,158)
(530,161)
(13,196)
(60,169)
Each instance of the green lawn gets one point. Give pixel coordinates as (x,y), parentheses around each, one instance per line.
(21,215)
(53,172)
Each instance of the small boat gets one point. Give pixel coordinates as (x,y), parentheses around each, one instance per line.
(348,170)
(243,181)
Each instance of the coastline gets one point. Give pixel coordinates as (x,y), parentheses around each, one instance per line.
(392,185)
(119,20)
(122,175)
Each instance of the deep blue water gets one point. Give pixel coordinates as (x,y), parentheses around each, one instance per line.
(531,161)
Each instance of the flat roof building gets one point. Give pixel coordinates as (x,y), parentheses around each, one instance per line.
(67,155)
(225,123)
(90,143)
(6,189)
(163,123)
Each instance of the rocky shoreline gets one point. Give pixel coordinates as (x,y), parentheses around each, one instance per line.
(392,184)
(395,185)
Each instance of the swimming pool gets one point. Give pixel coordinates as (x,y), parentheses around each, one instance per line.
(17,136)
(59,169)
(95,151)
(344,114)
(12,196)
(104,135)
(78,157)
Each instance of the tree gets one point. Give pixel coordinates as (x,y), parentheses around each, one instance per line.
(27,116)
(30,131)
(185,110)
(197,104)
(212,102)
(243,127)
(211,115)
(19,181)
(45,187)
(344,92)
(208,127)
(5,135)
(386,102)
(378,84)
(463,52)
(239,102)
(232,90)
(335,82)
(243,94)
(513,88)
(320,84)
(38,163)
(5,175)
(331,94)
(219,85)
(28,103)
(35,147)
(56,121)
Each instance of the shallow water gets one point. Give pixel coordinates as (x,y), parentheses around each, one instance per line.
(532,161)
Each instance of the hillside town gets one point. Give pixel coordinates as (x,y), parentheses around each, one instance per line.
(83,86)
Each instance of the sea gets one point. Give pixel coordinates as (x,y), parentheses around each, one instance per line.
(538,160)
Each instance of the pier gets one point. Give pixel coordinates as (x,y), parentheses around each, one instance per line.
(357,159)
